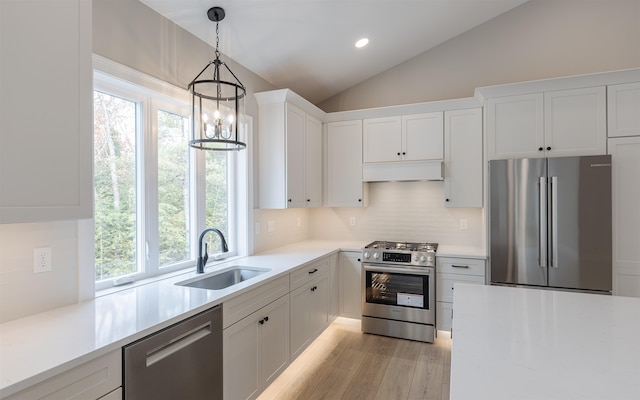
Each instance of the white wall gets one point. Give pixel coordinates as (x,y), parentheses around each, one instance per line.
(539,39)
(21,291)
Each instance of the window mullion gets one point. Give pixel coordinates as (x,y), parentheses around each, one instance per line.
(150,172)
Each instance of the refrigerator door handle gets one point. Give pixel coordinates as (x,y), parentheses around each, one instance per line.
(542,222)
(553,262)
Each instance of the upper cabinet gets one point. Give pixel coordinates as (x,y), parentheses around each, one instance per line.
(344,164)
(290,151)
(463,158)
(46,103)
(623,109)
(415,137)
(550,124)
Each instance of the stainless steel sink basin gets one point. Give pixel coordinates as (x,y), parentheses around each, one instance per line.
(223,279)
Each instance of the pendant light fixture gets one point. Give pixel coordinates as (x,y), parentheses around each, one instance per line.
(217,102)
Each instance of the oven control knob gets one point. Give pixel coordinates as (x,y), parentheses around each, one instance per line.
(376,255)
(415,258)
(423,258)
(430,259)
(366,255)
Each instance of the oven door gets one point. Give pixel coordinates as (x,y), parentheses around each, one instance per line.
(399,292)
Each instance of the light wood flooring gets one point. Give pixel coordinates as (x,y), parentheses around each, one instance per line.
(344,363)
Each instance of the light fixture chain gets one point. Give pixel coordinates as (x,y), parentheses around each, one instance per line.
(217,40)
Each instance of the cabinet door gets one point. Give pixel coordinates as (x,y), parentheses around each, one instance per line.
(296,122)
(274,340)
(319,306)
(625,159)
(300,323)
(313,162)
(422,137)
(623,110)
(382,139)
(344,164)
(46,118)
(350,285)
(575,122)
(240,359)
(463,158)
(515,127)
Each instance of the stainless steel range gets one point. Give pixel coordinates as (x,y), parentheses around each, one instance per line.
(398,290)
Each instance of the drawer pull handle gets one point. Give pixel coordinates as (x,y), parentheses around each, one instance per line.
(313,271)
(459,266)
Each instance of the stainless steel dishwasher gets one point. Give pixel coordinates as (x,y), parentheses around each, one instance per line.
(183,361)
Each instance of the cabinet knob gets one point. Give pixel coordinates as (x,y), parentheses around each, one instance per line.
(404,153)
(360,200)
(266,318)
(446,199)
(261,322)
(308,200)
(289,200)
(359,260)
(549,148)
(398,153)
(540,149)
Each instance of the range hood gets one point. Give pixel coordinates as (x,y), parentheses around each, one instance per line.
(403,171)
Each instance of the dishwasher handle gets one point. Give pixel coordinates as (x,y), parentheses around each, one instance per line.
(178,343)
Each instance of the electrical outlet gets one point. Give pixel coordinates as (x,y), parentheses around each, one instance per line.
(41,260)
(352,221)
(257,228)
(463,224)
(271,226)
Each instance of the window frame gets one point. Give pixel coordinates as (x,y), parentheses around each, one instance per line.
(152,95)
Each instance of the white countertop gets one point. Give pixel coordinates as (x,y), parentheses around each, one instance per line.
(35,348)
(516,343)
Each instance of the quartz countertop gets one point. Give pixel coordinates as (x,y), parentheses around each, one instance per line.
(38,347)
(519,343)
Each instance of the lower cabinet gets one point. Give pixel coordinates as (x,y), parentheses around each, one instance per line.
(100,378)
(350,291)
(309,313)
(256,350)
(452,270)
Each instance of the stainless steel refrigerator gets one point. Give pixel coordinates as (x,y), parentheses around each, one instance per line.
(550,222)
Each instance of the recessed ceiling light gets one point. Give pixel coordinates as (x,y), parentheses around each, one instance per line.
(362,42)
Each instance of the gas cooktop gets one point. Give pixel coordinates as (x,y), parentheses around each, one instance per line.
(406,246)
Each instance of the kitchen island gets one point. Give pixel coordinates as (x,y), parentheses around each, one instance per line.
(517,343)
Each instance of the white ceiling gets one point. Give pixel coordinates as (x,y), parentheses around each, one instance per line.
(308,45)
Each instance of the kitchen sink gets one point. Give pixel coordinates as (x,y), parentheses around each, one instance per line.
(223,279)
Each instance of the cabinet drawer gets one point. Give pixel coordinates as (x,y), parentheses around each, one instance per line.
(309,272)
(240,306)
(463,266)
(445,282)
(90,380)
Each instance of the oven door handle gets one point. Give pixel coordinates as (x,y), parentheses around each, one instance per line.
(407,271)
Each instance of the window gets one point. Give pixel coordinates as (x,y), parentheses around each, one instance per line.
(153,193)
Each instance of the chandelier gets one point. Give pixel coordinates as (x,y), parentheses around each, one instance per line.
(217,102)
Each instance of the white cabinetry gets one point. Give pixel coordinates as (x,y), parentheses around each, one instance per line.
(450,271)
(344,164)
(625,159)
(551,124)
(290,151)
(91,380)
(463,158)
(255,338)
(256,350)
(309,304)
(350,284)
(623,110)
(46,105)
(403,138)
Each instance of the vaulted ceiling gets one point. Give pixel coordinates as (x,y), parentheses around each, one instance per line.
(308,45)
